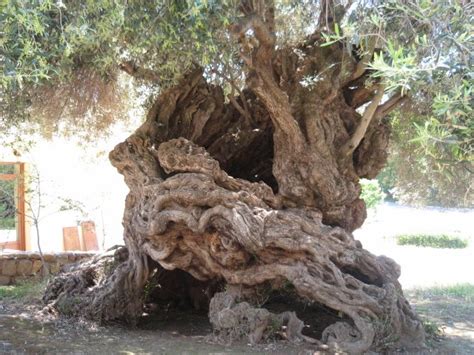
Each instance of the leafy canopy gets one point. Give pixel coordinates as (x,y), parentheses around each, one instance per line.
(69,53)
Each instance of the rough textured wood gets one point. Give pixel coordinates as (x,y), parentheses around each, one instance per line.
(213,226)
(269,198)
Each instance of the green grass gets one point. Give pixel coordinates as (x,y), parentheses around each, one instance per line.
(433,241)
(23,291)
(462,291)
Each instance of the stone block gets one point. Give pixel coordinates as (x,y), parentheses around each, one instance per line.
(35,255)
(24,267)
(22,256)
(54,268)
(49,257)
(9,267)
(37,264)
(5,280)
(63,260)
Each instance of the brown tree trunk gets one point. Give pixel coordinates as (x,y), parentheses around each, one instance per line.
(257,201)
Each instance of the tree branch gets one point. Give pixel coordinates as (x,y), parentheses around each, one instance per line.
(360,96)
(331,13)
(263,50)
(139,73)
(391,104)
(367,117)
(361,65)
(244,111)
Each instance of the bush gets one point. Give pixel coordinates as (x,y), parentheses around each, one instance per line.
(372,194)
(433,241)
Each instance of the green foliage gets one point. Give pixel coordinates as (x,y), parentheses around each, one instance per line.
(433,241)
(372,193)
(423,48)
(449,132)
(69,52)
(400,71)
(432,329)
(7,205)
(44,40)
(23,291)
(6,223)
(428,164)
(387,179)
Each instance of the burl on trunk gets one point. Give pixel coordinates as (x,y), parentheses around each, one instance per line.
(252,195)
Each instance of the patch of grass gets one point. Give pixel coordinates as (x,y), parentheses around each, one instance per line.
(432,328)
(433,331)
(23,291)
(433,241)
(463,291)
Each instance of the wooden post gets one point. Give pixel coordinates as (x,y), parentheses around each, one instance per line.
(71,239)
(21,207)
(89,236)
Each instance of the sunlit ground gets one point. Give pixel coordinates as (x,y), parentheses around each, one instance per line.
(421,266)
(439,283)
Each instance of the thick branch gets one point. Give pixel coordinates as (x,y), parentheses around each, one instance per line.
(361,66)
(355,98)
(359,133)
(139,73)
(262,81)
(331,13)
(266,40)
(391,104)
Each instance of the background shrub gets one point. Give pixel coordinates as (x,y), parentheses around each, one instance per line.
(372,193)
(434,241)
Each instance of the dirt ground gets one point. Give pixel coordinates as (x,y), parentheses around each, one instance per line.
(448,319)
(24,329)
(438,283)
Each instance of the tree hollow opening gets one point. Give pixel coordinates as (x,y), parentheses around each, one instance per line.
(178,291)
(316,316)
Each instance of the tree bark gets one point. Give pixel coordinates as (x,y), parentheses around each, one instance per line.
(269,201)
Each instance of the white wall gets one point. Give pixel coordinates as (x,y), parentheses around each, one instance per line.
(79,173)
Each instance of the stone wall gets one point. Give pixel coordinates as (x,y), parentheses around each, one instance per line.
(21,266)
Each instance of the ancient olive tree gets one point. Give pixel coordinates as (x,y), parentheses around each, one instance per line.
(244,176)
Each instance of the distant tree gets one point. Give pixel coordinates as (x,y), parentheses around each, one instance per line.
(7,206)
(425,166)
(246,171)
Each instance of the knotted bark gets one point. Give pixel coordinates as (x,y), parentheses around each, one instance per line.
(255,199)
(215,227)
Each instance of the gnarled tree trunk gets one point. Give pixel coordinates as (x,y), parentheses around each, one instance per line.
(258,193)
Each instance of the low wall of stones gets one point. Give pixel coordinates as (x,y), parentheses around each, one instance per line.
(25,266)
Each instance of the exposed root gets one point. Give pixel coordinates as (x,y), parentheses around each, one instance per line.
(105,288)
(233,320)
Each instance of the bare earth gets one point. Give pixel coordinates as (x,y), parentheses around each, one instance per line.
(23,330)
(429,267)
